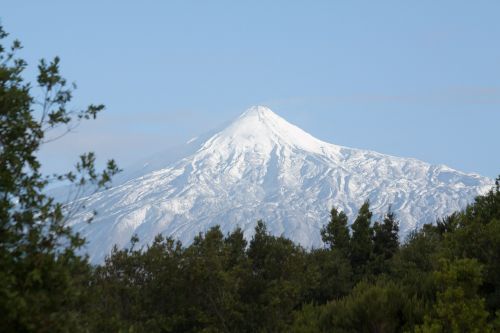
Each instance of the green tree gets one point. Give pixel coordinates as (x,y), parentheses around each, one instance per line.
(478,236)
(486,208)
(385,237)
(379,307)
(276,284)
(385,242)
(329,276)
(41,276)
(336,233)
(361,245)
(458,307)
(413,266)
(307,319)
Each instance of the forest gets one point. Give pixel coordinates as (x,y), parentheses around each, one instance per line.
(443,277)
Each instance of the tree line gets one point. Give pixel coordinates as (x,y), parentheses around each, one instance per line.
(443,277)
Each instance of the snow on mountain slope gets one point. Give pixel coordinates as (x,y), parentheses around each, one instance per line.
(262,167)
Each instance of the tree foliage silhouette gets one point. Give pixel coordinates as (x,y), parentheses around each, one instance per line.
(41,277)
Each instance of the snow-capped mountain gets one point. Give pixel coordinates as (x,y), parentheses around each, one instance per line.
(262,167)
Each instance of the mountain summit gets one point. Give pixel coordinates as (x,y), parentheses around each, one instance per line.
(262,167)
(260,127)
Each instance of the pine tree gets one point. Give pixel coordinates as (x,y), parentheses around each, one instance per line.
(385,237)
(336,233)
(361,246)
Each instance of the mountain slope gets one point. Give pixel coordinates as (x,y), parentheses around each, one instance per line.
(262,167)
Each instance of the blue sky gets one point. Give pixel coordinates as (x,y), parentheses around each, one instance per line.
(409,78)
